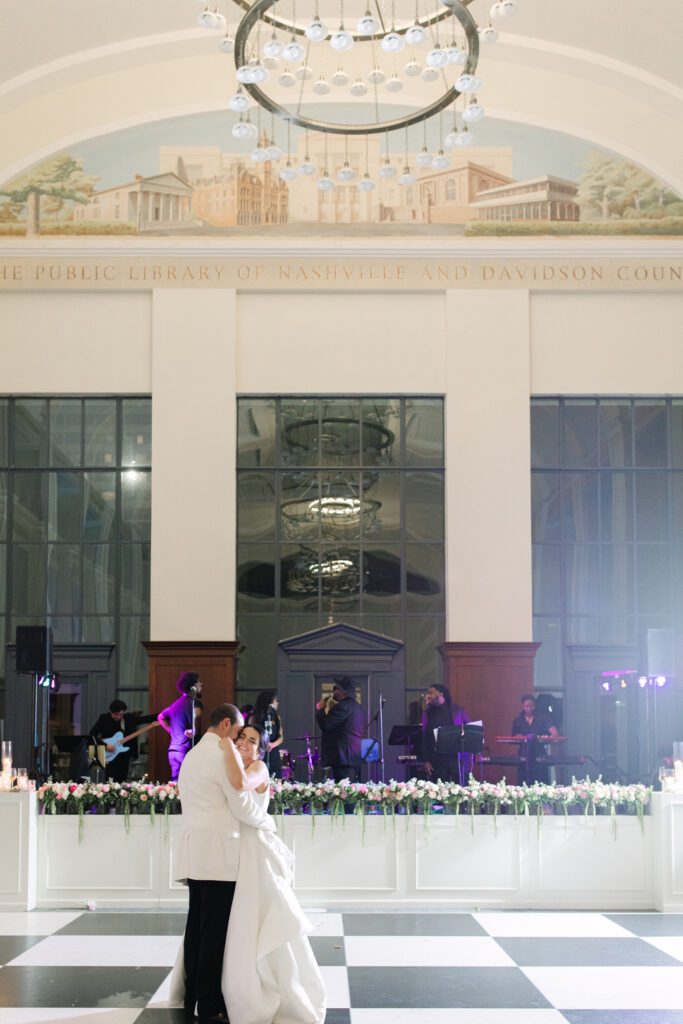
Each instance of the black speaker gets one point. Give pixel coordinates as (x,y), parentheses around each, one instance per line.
(34,649)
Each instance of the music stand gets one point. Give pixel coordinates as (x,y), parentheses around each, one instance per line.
(404,736)
(461,741)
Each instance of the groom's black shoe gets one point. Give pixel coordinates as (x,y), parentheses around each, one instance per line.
(218,1018)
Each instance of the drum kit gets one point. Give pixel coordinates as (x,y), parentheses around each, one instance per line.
(303,767)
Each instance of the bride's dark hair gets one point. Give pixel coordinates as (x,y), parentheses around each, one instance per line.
(263,739)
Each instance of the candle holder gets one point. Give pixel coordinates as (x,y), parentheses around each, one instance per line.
(678,767)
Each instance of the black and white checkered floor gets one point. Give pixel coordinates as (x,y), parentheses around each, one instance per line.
(379,968)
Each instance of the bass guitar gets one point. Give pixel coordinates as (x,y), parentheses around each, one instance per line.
(118,740)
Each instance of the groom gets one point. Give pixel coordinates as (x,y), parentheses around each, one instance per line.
(208,857)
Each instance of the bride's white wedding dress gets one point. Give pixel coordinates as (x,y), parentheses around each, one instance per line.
(270,975)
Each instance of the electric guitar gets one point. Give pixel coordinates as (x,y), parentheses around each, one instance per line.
(118,740)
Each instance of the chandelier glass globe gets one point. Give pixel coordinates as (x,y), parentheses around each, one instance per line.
(272,63)
(340,78)
(407,178)
(366,184)
(488,35)
(424,158)
(325,183)
(227,44)
(468,83)
(394,84)
(415,35)
(321,87)
(503,9)
(209,19)
(473,112)
(259,74)
(456,55)
(451,140)
(412,69)
(341,41)
(386,170)
(239,102)
(440,161)
(429,74)
(316,31)
(359,88)
(273,47)
(304,73)
(287,173)
(465,138)
(307,167)
(346,173)
(437,58)
(393,42)
(287,79)
(367,25)
(219,21)
(274,152)
(259,155)
(376,76)
(293,51)
(244,130)
(244,74)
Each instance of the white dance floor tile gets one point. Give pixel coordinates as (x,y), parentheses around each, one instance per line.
(37,922)
(326,924)
(101,951)
(460,1016)
(336,984)
(67,1015)
(550,925)
(671,945)
(424,951)
(160,997)
(602,988)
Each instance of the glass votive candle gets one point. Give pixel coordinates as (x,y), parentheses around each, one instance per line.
(678,766)
(667,779)
(7,755)
(22,779)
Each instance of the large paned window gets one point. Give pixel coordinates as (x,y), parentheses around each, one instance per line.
(340,518)
(75,516)
(607,524)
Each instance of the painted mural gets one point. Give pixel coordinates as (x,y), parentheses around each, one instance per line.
(186,177)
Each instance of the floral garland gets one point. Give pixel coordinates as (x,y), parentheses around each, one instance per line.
(420,796)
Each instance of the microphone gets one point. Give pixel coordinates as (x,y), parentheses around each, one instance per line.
(192,692)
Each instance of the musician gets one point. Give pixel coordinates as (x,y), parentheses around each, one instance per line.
(266,716)
(342,722)
(528,725)
(439,711)
(107,725)
(177,719)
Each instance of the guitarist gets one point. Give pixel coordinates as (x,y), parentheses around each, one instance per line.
(107,725)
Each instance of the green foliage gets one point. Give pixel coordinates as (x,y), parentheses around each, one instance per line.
(664,225)
(60,177)
(610,187)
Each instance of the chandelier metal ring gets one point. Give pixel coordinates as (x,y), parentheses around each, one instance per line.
(456,8)
(425,21)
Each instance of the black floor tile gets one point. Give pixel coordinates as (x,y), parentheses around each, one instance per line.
(112,987)
(165,1015)
(126,924)
(585,952)
(328,950)
(411,924)
(337,1017)
(12,945)
(445,987)
(650,924)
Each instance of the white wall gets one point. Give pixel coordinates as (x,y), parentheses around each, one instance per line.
(332,342)
(99,342)
(603,343)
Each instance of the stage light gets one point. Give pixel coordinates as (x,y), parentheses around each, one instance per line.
(606,685)
(623,684)
(642,682)
(660,681)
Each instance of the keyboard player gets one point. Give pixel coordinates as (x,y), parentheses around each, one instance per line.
(527,727)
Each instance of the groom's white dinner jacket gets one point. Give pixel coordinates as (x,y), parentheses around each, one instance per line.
(212,811)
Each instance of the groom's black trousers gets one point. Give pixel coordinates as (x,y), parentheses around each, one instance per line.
(204,945)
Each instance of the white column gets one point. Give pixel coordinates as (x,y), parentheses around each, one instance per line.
(488,501)
(193,481)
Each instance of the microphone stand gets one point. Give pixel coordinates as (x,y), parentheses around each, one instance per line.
(382,702)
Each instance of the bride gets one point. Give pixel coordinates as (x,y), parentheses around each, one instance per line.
(270,975)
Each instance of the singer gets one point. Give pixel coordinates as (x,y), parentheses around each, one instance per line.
(438,710)
(341,720)
(178,720)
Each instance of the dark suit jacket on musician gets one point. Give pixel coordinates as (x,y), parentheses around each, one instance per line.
(342,730)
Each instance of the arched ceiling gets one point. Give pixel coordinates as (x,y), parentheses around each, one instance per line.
(607,72)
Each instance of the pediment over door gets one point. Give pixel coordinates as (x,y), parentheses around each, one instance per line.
(340,648)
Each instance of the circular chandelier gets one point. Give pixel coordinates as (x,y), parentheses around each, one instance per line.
(339,67)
